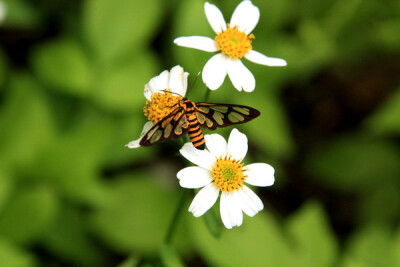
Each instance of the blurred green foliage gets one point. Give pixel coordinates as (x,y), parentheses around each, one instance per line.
(71,96)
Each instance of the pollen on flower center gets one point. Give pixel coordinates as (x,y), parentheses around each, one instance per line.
(160,105)
(234,43)
(228,174)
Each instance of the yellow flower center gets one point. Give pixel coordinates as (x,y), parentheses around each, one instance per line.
(228,173)
(234,43)
(160,105)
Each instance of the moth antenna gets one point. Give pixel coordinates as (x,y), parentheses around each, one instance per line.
(191,86)
(193,83)
(165,91)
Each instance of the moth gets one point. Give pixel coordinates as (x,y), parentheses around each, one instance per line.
(189,117)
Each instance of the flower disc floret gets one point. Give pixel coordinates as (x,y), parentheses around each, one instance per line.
(160,105)
(234,43)
(228,174)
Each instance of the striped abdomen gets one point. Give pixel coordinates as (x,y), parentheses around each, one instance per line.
(195,134)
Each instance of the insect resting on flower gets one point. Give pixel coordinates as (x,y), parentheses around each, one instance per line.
(187,117)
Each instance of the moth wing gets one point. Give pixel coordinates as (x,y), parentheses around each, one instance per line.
(213,115)
(172,126)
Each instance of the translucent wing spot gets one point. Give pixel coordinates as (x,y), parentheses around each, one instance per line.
(200,117)
(218,117)
(166,122)
(181,124)
(235,117)
(167,130)
(220,108)
(151,133)
(209,122)
(156,136)
(177,116)
(178,130)
(204,109)
(244,111)
(184,122)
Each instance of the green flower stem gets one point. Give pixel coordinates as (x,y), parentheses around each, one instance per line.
(185,193)
(207,95)
(186,139)
(177,215)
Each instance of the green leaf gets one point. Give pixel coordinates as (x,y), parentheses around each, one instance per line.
(3,69)
(314,243)
(136,215)
(6,185)
(21,14)
(64,66)
(132,261)
(375,208)
(37,206)
(355,163)
(118,27)
(370,246)
(120,87)
(274,14)
(213,223)
(258,242)
(385,120)
(396,248)
(72,162)
(126,129)
(334,24)
(317,43)
(13,256)
(388,34)
(69,239)
(169,257)
(25,121)
(271,130)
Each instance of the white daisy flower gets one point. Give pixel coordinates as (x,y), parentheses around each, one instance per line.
(158,103)
(220,168)
(234,42)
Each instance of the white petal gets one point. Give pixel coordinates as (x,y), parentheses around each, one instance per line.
(197,42)
(214,71)
(135,143)
(202,158)
(147,91)
(159,82)
(224,210)
(176,80)
(215,17)
(260,174)
(237,144)
(249,206)
(253,197)
(194,177)
(259,58)
(231,213)
(236,208)
(240,76)
(216,144)
(246,16)
(204,200)
(162,81)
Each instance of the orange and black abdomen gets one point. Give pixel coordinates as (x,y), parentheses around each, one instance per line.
(195,134)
